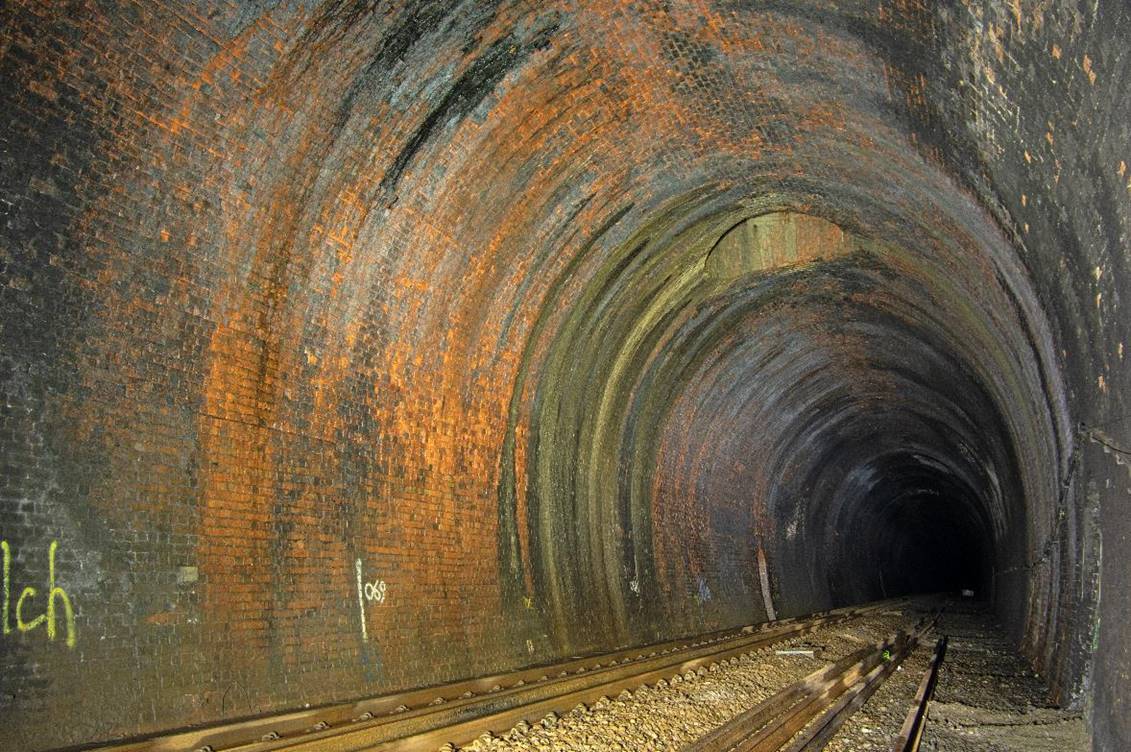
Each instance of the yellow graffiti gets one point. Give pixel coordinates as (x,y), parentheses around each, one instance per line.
(27,626)
(27,595)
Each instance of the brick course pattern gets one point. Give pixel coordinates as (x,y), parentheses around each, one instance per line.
(351,346)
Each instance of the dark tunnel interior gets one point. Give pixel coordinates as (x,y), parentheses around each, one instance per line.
(563,327)
(778,373)
(919,535)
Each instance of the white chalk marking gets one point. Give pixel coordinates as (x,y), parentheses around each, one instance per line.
(764,575)
(361,602)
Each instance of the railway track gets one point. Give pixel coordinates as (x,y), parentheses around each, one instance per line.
(424,720)
(803,716)
(911,734)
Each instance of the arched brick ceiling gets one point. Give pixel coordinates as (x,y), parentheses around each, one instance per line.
(578,324)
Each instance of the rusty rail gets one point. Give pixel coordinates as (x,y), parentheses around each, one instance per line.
(425,719)
(912,732)
(805,715)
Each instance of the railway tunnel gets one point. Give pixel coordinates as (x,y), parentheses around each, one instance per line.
(350,347)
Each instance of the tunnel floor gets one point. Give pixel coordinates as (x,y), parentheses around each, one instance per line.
(987,700)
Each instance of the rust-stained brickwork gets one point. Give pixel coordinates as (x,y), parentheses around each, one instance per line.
(347,346)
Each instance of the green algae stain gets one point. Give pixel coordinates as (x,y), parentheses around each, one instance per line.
(620,354)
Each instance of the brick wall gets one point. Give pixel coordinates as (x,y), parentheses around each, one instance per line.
(353,346)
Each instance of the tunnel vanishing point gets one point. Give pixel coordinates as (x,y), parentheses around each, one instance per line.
(348,346)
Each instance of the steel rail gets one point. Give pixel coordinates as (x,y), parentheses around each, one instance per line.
(803,716)
(912,732)
(424,719)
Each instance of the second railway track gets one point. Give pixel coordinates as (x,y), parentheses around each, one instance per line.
(805,715)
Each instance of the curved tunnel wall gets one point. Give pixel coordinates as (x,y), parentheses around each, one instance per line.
(354,346)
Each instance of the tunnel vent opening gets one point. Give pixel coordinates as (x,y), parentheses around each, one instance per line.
(776,240)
